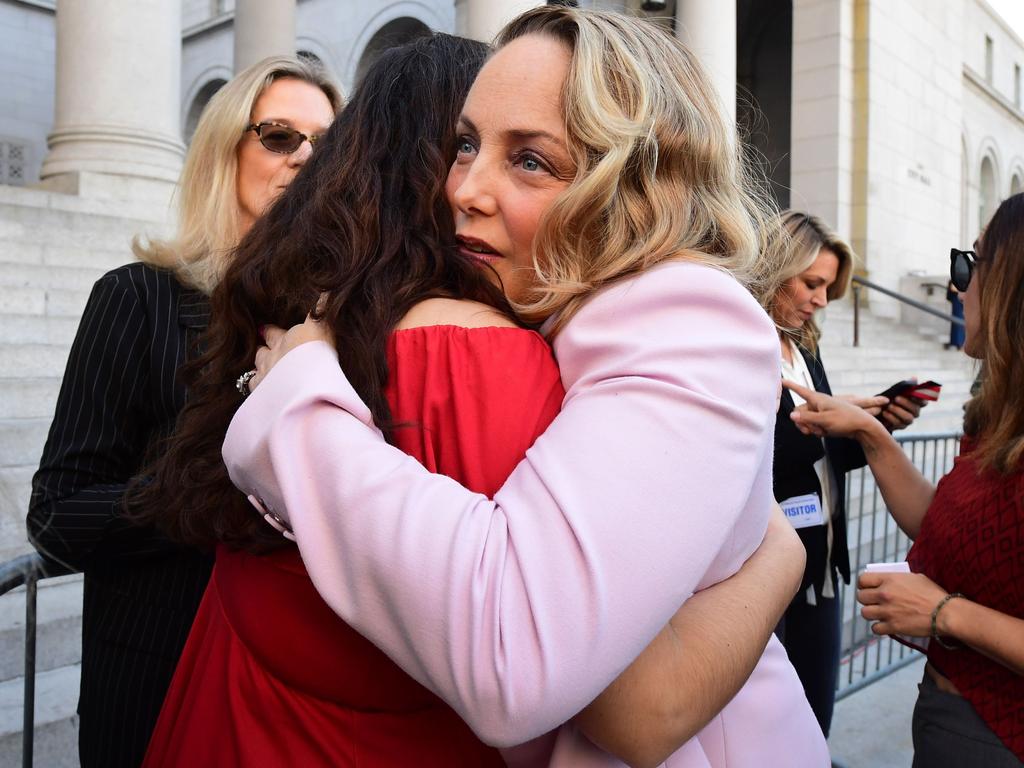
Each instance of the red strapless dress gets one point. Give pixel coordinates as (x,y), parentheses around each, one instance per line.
(270,676)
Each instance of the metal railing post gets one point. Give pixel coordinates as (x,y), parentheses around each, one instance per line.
(856,315)
(866,658)
(29,709)
(27,571)
(859,282)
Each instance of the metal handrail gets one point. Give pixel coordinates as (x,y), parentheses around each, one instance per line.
(873,536)
(918,305)
(28,570)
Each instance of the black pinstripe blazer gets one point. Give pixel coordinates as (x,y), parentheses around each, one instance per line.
(120,393)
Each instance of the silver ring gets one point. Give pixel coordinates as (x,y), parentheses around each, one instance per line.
(242,383)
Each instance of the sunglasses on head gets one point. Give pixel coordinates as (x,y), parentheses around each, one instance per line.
(961,267)
(282,139)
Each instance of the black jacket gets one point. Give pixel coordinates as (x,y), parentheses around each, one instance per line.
(120,394)
(794,475)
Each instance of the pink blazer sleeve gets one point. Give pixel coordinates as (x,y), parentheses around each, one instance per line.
(653,481)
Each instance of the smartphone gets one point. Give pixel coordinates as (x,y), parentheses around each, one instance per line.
(926,390)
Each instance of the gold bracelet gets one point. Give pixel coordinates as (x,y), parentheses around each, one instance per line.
(935,617)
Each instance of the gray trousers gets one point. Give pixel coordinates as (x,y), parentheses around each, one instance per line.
(948,733)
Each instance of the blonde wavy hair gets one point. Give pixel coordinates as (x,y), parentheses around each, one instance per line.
(802,238)
(659,174)
(207,197)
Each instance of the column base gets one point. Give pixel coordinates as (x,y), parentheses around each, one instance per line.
(155,194)
(111,149)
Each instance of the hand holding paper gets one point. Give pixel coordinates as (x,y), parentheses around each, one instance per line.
(900,604)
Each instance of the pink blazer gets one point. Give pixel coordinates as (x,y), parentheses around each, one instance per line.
(653,482)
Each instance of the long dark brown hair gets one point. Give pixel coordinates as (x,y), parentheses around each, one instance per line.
(996,414)
(365,221)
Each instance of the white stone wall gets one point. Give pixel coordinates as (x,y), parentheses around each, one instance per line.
(892,113)
(914,113)
(993,123)
(336,31)
(1007,47)
(27,66)
(195,11)
(822,130)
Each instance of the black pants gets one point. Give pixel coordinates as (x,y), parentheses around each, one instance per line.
(810,634)
(948,733)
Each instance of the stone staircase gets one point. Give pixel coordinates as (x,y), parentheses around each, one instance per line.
(53,247)
(889,352)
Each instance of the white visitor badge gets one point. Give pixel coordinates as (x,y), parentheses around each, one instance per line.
(803,511)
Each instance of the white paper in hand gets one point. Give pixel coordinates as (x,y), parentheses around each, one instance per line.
(917,643)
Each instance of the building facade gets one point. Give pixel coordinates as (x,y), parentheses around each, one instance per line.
(901,123)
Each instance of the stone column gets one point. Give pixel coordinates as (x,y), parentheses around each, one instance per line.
(483,19)
(263,28)
(118,88)
(708,27)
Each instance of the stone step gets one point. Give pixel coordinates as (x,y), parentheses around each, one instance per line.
(136,201)
(889,352)
(15,300)
(882,339)
(56,724)
(100,257)
(37,329)
(15,490)
(21,441)
(34,361)
(58,626)
(29,231)
(28,398)
(52,277)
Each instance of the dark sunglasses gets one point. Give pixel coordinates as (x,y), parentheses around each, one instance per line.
(961,267)
(280,138)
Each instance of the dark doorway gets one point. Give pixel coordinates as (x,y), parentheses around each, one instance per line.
(199,103)
(394,33)
(764,85)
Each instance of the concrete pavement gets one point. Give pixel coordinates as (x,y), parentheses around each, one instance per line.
(871,728)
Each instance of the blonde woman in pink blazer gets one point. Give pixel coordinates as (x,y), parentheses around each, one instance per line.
(599,181)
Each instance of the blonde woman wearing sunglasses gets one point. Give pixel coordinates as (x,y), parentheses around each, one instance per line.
(121,395)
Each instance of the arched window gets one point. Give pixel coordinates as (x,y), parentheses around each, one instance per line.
(394,33)
(1016,184)
(198,105)
(988,196)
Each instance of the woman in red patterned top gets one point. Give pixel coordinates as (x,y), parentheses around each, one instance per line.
(967,587)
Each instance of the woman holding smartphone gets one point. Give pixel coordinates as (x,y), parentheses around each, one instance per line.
(809,472)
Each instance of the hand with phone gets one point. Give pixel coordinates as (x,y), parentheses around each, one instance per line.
(906,399)
(828,416)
